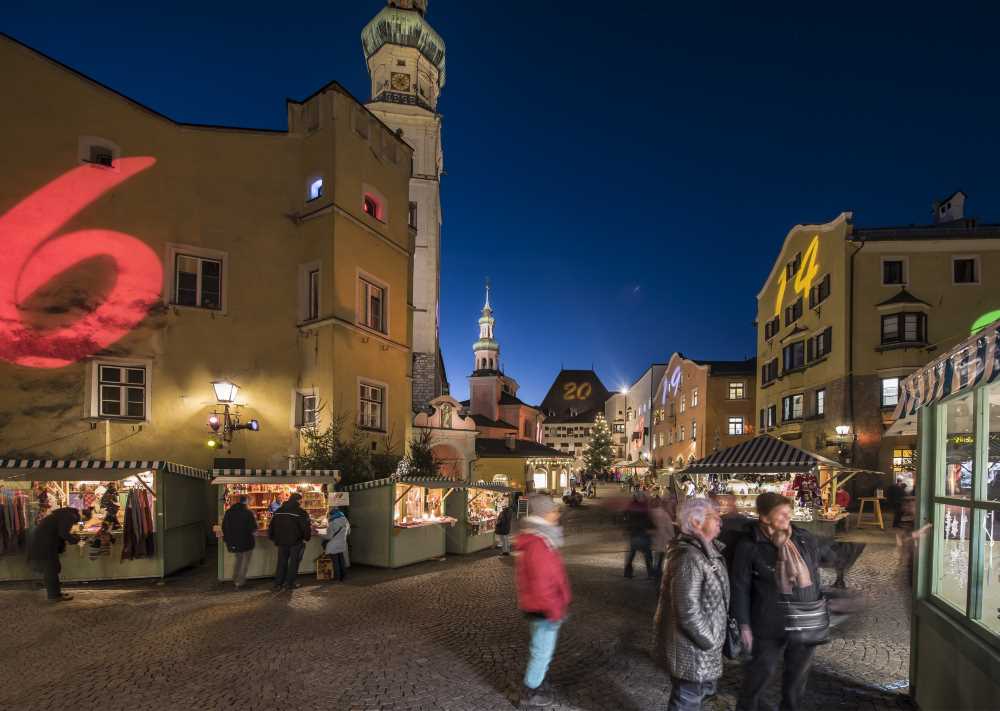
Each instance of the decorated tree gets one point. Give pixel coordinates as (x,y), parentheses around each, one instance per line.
(599,454)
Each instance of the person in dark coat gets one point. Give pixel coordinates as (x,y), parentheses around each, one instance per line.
(640,534)
(775,562)
(894,501)
(503,528)
(238,528)
(289,530)
(48,543)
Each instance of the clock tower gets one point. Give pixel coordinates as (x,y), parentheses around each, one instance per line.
(406,63)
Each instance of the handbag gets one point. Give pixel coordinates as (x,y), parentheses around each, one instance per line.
(732,647)
(807,623)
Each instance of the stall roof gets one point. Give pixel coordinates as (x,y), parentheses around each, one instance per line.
(491,486)
(80,469)
(428,482)
(763,454)
(271,476)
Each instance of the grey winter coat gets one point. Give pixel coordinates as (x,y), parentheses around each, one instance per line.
(337,531)
(691,617)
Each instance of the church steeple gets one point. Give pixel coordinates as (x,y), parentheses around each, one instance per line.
(486,349)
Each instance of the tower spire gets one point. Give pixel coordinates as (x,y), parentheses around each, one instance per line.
(486,349)
(486,307)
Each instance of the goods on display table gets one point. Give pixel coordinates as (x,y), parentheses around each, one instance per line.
(419,506)
(802,489)
(477,507)
(265,499)
(122,530)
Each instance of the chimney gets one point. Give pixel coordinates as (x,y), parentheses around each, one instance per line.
(950,209)
(511,441)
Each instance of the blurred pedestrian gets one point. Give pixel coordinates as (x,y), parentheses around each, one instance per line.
(894,500)
(663,532)
(503,528)
(290,529)
(543,591)
(239,529)
(48,543)
(693,610)
(776,563)
(338,528)
(639,527)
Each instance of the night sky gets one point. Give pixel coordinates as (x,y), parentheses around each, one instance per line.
(624,172)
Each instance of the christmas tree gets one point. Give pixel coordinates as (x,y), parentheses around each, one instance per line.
(598,456)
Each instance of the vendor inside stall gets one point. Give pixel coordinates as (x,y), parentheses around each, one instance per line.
(418,506)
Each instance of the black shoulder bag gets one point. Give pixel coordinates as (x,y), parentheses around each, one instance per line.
(807,623)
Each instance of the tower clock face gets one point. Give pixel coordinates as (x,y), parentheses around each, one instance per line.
(400,82)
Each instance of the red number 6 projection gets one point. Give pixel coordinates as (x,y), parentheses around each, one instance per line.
(31,256)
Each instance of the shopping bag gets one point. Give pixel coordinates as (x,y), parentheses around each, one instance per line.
(324,567)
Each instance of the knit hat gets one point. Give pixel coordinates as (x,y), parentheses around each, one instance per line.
(541,504)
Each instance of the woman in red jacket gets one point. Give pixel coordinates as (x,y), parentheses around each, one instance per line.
(542,590)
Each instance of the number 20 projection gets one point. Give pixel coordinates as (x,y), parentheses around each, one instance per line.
(32,255)
(803,278)
(576,391)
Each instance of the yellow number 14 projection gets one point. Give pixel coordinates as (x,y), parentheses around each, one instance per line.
(803,278)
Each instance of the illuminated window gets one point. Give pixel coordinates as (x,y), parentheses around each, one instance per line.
(772,415)
(371,206)
(373,306)
(694,429)
(198,282)
(683,402)
(791,408)
(121,391)
(694,397)
(890,392)
(316,189)
(736,426)
(965,270)
(820,402)
(893,272)
(306,409)
(681,437)
(371,402)
(737,391)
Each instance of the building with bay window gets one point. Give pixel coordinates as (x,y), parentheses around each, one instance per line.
(847,312)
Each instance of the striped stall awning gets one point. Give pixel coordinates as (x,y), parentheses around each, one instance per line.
(491,486)
(274,476)
(761,455)
(35,468)
(973,362)
(429,483)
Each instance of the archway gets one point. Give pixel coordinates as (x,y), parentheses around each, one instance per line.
(449,462)
(540,479)
(563,478)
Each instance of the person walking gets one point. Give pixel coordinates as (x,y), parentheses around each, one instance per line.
(639,526)
(290,529)
(663,533)
(338,528)
(48,543)
(239,528)
(894,498)
(775,562)
(503,528)
(693,610)
(543,592)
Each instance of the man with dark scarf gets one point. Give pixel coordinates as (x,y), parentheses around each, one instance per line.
(775,562)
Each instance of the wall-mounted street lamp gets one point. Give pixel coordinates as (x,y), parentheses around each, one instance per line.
(843,448)
(843,430)
(223,424)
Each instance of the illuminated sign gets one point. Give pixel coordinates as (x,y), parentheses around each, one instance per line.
(32,255)
(803,277)
(576,391)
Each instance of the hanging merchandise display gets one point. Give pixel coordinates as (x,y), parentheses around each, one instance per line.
(138,537)
(13,521)
(477,508)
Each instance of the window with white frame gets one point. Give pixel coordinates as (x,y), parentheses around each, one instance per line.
(370,406)
(683,403)
(791,407)
(694,397)
(889,392)
(772,415)
(736,425)
(904,328)
(737,391)
(197,281)
(121,391)
(306,409)
(821,402)
(315,189)
(373,306)
(965,270)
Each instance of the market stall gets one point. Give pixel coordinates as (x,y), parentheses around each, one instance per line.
(138,519)
(266,490)
(400,521)
(476,509)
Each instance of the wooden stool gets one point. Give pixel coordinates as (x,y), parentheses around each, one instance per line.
(876,503)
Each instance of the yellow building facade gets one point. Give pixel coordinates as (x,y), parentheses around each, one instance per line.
(847,312)
(150,258)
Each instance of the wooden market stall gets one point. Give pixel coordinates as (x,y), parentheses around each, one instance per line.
(476,508)
(400,521)
(266,489)
(139,519)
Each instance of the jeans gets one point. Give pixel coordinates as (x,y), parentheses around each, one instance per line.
(687,695)
(543,645)
(289,558)
(504,542)
(240,565)
(758,672)
(639,544)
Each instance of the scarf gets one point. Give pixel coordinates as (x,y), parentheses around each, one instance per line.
(791,570)
(552,535)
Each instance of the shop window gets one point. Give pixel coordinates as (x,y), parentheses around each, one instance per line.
(121,391)
(902,466)
(769,372)
(965,270)
(735,426)
(893,271)
(904,328)
(197,281)
(820,402)
(959,447)
(819,293)
(371,403)
(791,408)
(889,393)
(952,553)
(372,302)
(794,356)
(737,391)
(316,189)
(418,506)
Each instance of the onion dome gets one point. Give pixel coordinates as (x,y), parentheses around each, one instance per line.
(402,23)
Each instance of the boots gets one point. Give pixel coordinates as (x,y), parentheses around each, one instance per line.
(536,697)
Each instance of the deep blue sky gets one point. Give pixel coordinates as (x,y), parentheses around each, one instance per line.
(624,172)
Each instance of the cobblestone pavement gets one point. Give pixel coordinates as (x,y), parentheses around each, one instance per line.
(440,635)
